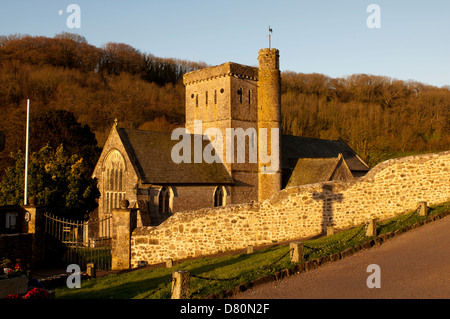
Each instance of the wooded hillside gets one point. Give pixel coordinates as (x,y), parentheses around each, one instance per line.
(375,115)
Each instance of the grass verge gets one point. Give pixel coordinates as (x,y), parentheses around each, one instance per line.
(230,271)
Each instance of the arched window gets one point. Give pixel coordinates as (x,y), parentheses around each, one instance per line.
(219,197)
(165,200)
(113,184)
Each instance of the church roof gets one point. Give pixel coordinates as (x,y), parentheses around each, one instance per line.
(295,147)
(151,154)
(313,170)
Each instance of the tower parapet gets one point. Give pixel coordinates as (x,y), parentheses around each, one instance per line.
(269,59)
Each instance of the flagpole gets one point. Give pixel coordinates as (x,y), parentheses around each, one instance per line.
(25,200)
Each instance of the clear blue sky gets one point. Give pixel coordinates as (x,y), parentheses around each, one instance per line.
(323,36)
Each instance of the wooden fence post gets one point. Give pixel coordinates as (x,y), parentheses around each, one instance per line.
(90,270)
(180,284)
(297,254)
(423,209)
(371,229)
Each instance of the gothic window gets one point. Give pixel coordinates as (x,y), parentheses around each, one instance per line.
(249,97)
(114,192)
(196,100)
(219,196)
(206,98)
(215,96)
(165,200)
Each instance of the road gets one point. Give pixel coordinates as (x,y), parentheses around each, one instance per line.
(414,265)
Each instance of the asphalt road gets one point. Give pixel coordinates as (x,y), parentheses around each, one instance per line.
(414,265)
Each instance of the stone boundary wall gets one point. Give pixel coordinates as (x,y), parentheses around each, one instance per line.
(391,188)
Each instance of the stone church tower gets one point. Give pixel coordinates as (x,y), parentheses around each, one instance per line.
(269,117)
(234,112)
(239,100)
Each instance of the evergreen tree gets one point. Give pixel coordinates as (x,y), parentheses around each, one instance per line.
(56,179)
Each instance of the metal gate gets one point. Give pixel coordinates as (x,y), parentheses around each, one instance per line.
(78,242)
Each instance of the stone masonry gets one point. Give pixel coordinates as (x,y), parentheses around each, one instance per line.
(391,188)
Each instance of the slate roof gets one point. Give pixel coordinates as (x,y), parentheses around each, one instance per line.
(150,153)
(313,170)
(295,147)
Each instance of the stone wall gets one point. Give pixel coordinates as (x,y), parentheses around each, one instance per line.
(27,244)
(231,92)
(391,188)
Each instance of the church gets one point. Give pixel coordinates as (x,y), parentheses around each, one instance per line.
(138,165)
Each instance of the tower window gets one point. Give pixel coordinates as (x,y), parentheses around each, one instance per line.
(249,97)
(215,96)
(239,92)
(206,98)
(196,100)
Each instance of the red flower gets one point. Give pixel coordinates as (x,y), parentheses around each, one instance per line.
(18,266)
(15,296)
(36,293)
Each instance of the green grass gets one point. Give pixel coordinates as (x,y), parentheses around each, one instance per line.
(410,218)
(239,268)
(99,255)
(156,282)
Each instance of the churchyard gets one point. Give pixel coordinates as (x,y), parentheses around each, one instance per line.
(227,274)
